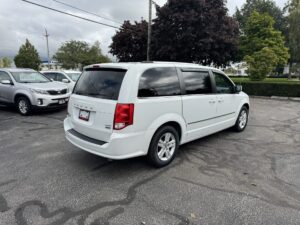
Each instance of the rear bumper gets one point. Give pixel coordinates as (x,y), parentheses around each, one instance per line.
(120,146)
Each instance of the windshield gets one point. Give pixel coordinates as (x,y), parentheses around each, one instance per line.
(100,83)
(74,76)
(29,77)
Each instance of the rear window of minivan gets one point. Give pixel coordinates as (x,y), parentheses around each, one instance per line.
(100,83)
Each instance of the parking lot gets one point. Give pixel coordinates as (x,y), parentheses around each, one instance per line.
(227,178)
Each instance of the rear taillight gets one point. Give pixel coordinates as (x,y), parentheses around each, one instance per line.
(123,116)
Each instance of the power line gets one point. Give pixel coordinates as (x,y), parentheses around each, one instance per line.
(88,12)
(70,14)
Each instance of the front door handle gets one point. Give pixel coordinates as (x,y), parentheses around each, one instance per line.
(221,100)
(212,101)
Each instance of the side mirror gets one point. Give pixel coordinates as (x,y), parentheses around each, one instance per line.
(51,79)
(238,88)
(65,81)
(6,82)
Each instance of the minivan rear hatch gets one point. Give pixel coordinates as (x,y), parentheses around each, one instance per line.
(93,102)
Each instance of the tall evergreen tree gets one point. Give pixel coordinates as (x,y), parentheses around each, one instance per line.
(28,57)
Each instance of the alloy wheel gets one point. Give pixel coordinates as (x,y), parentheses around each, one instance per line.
(243,119)
(23,106)
(166,146)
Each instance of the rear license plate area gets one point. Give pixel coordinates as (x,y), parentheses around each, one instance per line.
(84,115)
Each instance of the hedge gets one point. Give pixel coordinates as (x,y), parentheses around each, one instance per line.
(262,88)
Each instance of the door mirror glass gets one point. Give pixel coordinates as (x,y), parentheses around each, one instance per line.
(65,81)
(238,88)
(7,82)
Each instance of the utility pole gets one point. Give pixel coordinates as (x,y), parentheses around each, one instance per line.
(47,35)
(149,30)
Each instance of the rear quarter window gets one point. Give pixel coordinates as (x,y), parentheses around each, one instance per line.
(157,82)
(100,83)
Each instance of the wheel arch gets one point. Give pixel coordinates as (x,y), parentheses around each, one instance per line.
(174,120)
(247,105)
(242,104)
(174,124)
(19,95)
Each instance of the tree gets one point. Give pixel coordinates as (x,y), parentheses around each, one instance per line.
(5,62)
(74,54)
(260,34)
(130,42)
(95,55)
(261,63)
(294,33)
(194,31)
(28,57)
(262,6)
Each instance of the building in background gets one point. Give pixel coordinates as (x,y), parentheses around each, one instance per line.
(54,65)
(236,69)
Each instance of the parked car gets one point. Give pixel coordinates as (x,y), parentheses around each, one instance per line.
(124,110)
(73,74)
(60,76)
(28,89)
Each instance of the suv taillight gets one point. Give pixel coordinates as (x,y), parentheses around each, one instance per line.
(123,116)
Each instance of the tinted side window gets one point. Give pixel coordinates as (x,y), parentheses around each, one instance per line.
(159,82)
(60,77)
(197,82)
(50,76)
(223,84)
(4,76)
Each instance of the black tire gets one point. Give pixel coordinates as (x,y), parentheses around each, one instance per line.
(26,108)
(239,126)
(153,152)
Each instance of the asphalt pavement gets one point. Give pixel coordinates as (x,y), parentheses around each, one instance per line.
(227,178)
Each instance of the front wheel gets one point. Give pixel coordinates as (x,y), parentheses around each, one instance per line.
(242,120)
(163,147)
(23,106)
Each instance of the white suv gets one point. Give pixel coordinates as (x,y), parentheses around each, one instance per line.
(28,89)
(124,110)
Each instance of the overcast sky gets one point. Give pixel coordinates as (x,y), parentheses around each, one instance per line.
(20,20)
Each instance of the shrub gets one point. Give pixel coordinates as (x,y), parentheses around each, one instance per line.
(284,89)
(261,63)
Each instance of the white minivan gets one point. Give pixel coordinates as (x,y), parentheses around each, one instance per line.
(124,110)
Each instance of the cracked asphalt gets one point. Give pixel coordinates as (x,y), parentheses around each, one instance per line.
(227,178)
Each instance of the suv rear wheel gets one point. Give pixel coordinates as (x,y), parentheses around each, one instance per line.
(24,106)
(163,146)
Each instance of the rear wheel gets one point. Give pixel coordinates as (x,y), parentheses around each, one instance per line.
(23,106)
(242,120)
(163,147)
